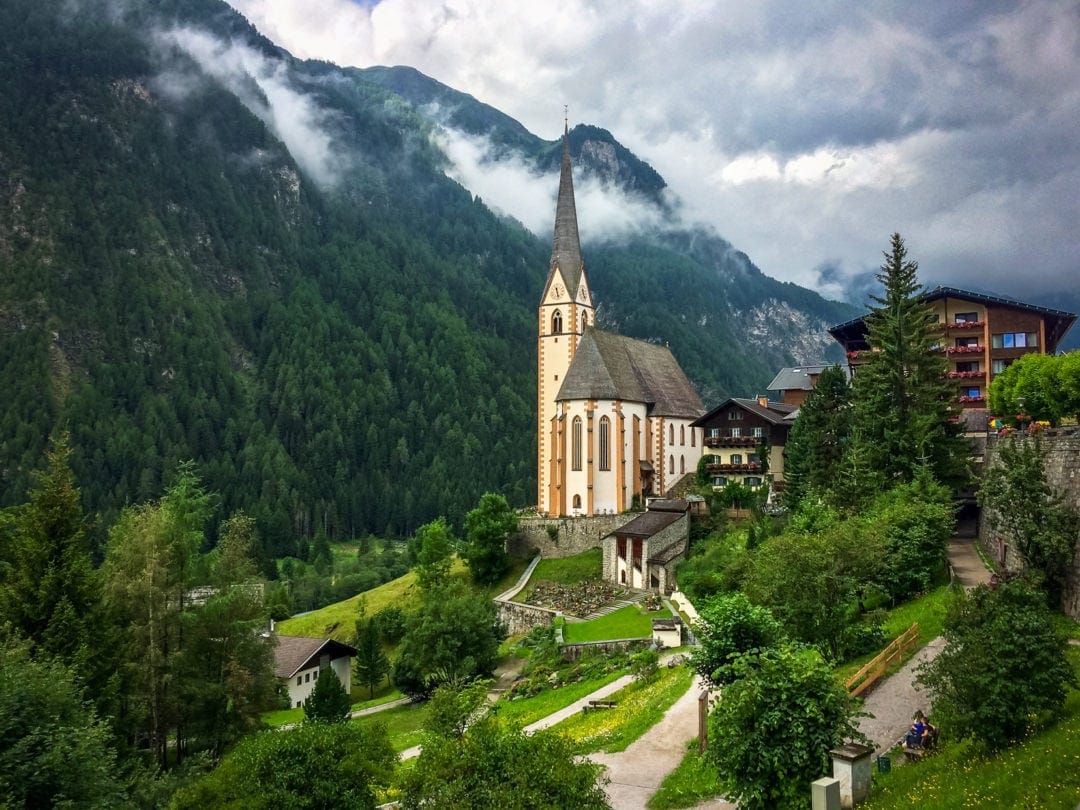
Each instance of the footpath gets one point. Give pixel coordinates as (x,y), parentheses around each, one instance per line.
(895,700)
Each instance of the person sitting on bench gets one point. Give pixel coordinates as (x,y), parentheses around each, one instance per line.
(914,738)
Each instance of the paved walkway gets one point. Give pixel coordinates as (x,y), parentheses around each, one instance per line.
(637,772)
(895,700)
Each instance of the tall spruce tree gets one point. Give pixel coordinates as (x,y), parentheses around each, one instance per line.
(818,437)
(371,663)
(904,405)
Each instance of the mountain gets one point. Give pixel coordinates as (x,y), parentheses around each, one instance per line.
(211,250)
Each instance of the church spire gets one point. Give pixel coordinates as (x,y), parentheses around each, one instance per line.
(566,247)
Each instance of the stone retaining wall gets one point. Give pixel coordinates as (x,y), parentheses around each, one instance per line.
(519,618)
(1063,475)
(572,652)
(571,535)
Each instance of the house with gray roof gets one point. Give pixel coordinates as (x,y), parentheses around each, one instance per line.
(643,553)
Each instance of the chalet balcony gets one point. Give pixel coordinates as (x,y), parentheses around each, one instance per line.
(963,349)
(749,467)
(966,375)
(859,355)
(967,325)
(976,401)
(733,441)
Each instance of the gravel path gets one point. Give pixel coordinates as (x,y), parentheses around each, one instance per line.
(637,772)
(895,700)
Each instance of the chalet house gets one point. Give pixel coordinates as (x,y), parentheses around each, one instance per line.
(643,553)
(980,335)
(299,662)
(735,431)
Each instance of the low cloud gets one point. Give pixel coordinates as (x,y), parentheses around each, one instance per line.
(262,85)
(805,133)
(512,187)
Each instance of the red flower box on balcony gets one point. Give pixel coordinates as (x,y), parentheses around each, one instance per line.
(966,375)
(967,324)
(963,349)
(972,400)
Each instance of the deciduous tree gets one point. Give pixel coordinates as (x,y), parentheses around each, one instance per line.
(488,528)
(1003,671)
(1028,513)
(770,735)
(434,553)
(730,627)
(492,765)
(319,765)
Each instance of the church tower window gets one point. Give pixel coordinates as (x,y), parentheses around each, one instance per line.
(584,320)
(671,464)
(605,443)
(671,435)
(575,441)
(556,323)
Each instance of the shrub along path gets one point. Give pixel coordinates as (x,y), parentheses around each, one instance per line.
(893,702)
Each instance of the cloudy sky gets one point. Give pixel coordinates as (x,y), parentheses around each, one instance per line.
(805,133)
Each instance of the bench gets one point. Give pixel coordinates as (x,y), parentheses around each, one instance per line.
(598,704)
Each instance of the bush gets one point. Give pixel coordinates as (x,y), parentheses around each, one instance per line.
(729,628)
(390,624)
(1003,672)
(328,701)
(770,735)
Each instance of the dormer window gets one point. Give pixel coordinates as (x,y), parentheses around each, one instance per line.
(556,323)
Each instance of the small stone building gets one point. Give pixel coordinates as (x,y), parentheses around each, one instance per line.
(643,553)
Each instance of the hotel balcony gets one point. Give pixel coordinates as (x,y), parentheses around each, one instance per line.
(748,467)
(963,349)
(966,375)
(733,441)
(977,402)
(967,325)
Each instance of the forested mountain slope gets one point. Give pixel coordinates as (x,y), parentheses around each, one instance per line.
(210,250)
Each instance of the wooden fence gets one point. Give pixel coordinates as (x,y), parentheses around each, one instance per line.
(866,677)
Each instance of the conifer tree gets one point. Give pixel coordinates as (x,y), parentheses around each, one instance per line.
(905,405)
(328,701)
(50,592)
(371,663)
(818,437)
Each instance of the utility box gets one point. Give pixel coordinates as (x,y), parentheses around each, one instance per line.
(852,767)
(825,794)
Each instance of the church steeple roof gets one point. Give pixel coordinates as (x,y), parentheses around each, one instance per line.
(566,247)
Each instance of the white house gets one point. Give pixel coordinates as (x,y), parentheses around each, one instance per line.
(300,661)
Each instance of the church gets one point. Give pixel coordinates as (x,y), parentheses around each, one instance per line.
(614,414)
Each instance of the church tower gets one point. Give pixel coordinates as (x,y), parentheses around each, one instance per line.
(565,310)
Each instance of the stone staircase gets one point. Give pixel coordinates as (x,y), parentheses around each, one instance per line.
(633,599)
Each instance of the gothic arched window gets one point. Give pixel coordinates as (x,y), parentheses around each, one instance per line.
(682,434)
(671,464)
(577,501)
(575,444)
(605,443)
(556,323)
(584,320)
(693,437)
(671,434)
(682,464)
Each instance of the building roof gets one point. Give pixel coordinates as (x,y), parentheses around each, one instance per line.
(774,413)
(294,653)
(647,524)
(610,366)
(797,378)
(1058,321)
(679,505)
(566,245)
